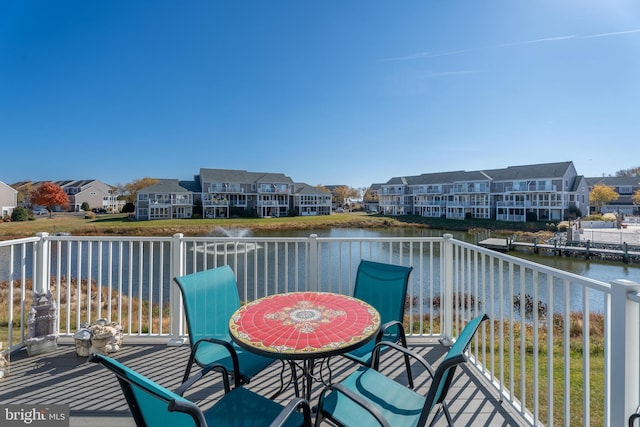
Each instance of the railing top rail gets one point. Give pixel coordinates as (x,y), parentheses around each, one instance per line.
(19,241)
(382,239)
(306,238)
(243,238)
(108,238)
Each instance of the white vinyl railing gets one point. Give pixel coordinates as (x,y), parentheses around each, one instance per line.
(560,348)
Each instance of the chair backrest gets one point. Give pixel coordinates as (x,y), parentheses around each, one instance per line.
(384,286)
(148,401)
(444,373)
(209,297)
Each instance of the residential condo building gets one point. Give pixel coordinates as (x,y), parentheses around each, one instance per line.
(538,192)
(541,192)
(223,193)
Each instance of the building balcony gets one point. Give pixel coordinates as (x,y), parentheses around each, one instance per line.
(182,201)
(530,188)
(272,203)
(389,192)
(222,188)
(427,203)
(207,202)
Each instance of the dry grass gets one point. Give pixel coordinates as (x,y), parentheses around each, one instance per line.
(119,224)
(132,314)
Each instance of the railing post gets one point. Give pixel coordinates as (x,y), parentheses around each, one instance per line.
(313,262)
(623,352)
(41,277)
(446,299)
(176,269)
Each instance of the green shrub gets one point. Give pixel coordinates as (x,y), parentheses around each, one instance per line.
(20,214)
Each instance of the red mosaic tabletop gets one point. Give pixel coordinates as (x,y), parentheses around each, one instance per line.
(304,324)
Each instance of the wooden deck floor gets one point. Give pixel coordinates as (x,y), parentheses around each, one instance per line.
(95,399)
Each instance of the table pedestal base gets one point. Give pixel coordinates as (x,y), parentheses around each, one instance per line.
(307,367)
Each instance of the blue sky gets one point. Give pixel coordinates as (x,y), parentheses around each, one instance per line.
(326,92)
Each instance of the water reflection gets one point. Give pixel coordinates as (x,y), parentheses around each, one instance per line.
(604,271)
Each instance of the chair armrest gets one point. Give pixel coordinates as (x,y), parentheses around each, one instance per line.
(188,383)
(633,417)
(339,388)
(188,408)
(232,352)
(388,325)
(291,408)
(375,355)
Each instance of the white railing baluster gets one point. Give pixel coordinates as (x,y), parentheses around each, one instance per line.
(536,352)
(313,262)
(512,372)
(567,353)
(550,351)
(446,299)
(78,281)
(120,279)
(89,279)
(501,323)
(623,350)
(523,348)
(68,284)
(130,283)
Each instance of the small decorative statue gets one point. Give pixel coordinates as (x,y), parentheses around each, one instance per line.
(101,337)
(4,364)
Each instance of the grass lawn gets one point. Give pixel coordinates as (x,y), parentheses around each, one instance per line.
(120,224)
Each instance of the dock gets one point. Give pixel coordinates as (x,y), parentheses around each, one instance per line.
(575,249)
(500,245)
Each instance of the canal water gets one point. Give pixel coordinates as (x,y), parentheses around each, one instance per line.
(605,271)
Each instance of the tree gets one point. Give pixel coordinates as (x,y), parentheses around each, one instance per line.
(130,190)
(129,208)
(601,195)
(85,206)
(24,190)
(636,197)
(370,196)
(49,195)
(343,193)
(629,172)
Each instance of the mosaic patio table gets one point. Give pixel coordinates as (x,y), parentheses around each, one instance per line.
(305,327)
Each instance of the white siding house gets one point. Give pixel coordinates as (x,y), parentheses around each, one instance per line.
(8,200)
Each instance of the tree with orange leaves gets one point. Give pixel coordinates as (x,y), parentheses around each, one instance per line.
(49,195)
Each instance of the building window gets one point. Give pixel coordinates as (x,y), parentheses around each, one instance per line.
(625,189)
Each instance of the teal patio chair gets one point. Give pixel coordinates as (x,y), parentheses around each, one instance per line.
(210,297)
(155,406)
(368,397)
(383,286)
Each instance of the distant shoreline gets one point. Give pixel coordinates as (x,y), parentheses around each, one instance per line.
(118,224)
